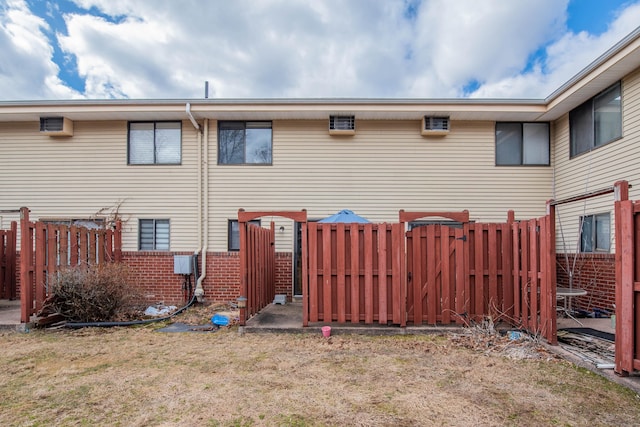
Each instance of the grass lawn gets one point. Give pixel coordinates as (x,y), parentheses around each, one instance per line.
(140,377)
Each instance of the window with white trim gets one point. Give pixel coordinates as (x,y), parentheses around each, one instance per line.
(595,233)
(155,143)
(244,143)
(596,122)
(522,144)
(233,233)
(153,234)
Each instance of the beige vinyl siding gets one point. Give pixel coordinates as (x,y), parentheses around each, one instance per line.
(385,167)
(597,169)
(78,176)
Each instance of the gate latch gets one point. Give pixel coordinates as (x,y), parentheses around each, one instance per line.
(463,238)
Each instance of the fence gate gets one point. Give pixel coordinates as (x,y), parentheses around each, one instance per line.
(437,291)
(437,260)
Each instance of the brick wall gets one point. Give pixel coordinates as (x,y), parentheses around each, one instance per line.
(223,276)
(284,274)
(594,273)
(152,273)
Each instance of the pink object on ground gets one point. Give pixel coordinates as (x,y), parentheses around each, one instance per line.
(326,331)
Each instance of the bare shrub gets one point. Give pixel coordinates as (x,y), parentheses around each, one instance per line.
(92,293)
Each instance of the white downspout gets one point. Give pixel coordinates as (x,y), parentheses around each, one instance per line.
(199,291)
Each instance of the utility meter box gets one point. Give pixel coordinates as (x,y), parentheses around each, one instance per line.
(183,264)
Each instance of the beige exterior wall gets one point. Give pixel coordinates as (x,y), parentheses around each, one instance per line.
(385,167)
(80,175)
(597,169)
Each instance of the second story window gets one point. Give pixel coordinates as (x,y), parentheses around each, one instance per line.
(596,122)
(155,143)
(244,143)
(522,144)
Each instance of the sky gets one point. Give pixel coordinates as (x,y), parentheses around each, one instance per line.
(168,49)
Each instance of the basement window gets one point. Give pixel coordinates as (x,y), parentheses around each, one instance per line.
(234,233)
(595,233)
(153,235)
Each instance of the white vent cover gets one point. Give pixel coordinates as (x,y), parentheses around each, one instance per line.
(435,125)
(342,125)
(56,126)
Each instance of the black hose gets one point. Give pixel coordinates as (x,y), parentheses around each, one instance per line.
(79,325)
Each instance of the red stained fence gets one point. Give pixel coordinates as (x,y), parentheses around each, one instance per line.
(433,274)
(534,278)
(627,220)
(8,285)
(257,260)
(259,257)
(47,248)
(355,273)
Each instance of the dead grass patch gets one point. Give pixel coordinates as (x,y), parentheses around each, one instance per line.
(139,377)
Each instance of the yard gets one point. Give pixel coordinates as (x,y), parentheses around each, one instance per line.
(139,377)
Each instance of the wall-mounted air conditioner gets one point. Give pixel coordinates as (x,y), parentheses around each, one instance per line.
(342,125)
(56,126)
(435,126)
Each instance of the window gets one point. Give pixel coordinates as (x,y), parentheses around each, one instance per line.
(155,143)
(244,143)
(595,233)
(153,235)
(596,122)
(234,233)
(522,144)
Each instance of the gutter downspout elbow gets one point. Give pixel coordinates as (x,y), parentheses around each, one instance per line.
(193,119)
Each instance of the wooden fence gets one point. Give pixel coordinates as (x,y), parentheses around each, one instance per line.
(438,275)
(627,220)
(355,273)
(47,248)
(257,260)
(534,277)
(258,266)
(8,285)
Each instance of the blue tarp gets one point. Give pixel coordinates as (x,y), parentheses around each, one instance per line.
(345,216)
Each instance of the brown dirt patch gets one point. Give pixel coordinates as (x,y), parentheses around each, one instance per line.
(139,377)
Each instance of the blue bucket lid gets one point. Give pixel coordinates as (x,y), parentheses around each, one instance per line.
(220,320)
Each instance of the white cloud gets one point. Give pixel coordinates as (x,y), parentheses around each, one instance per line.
(27,70)
(467,40)
(565,57)
(297,48)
